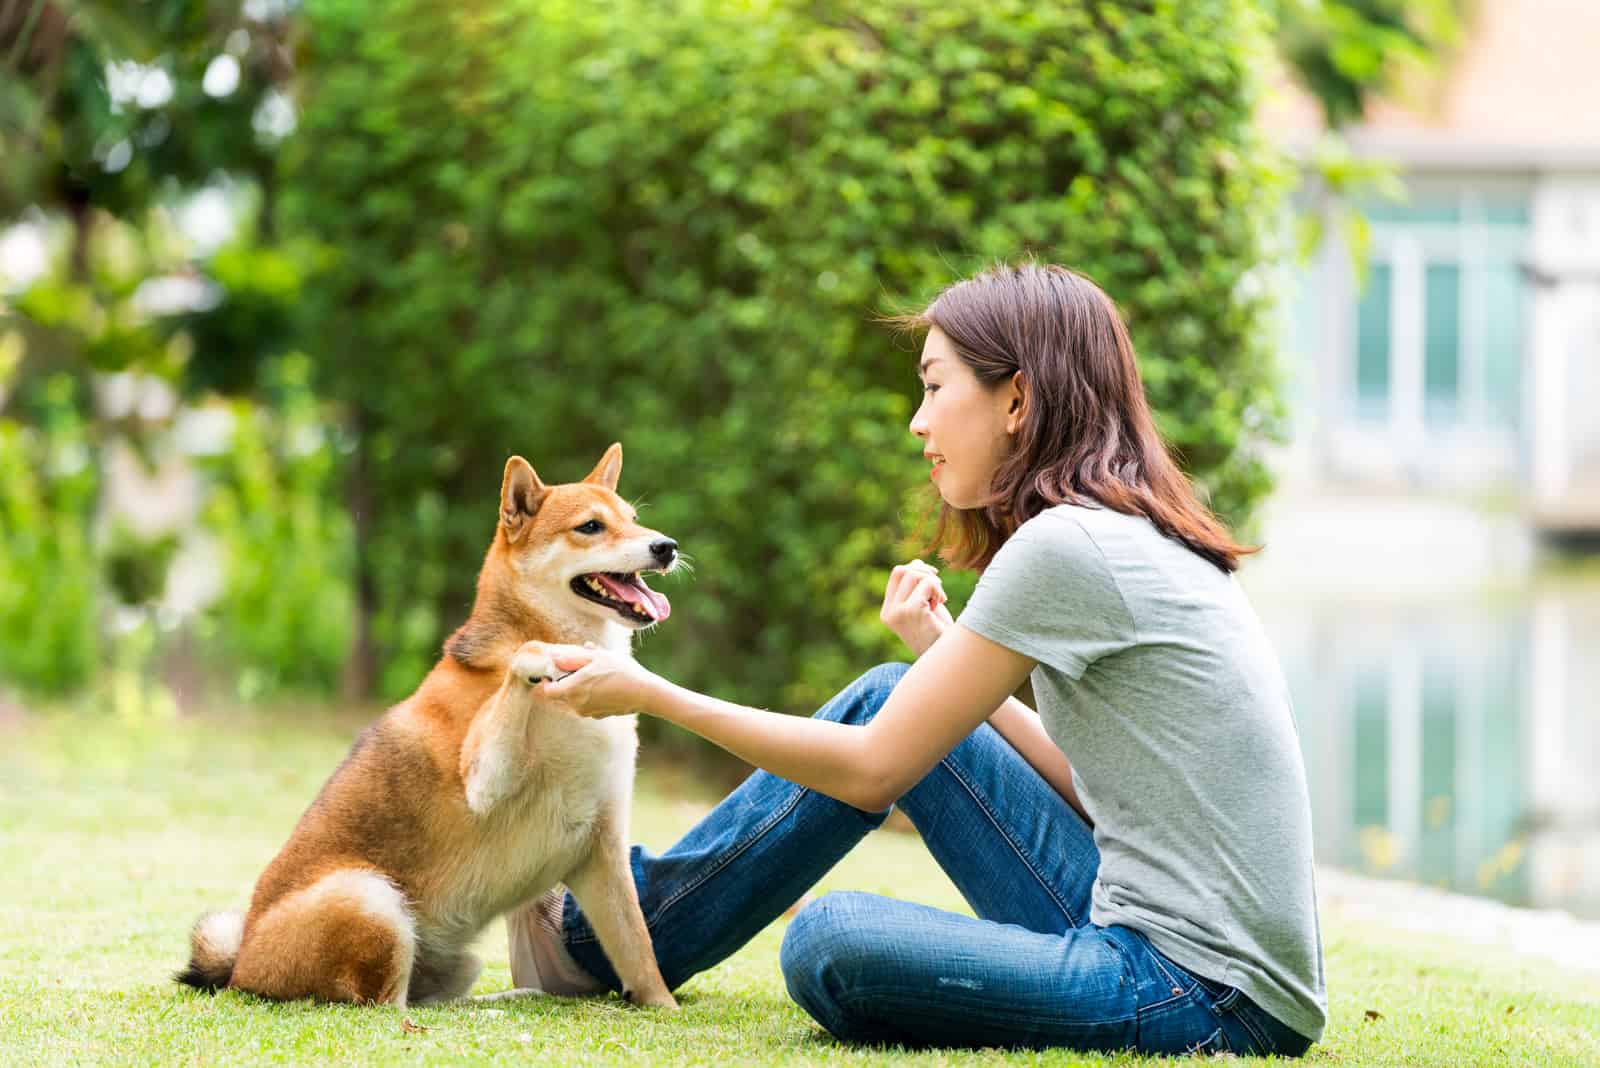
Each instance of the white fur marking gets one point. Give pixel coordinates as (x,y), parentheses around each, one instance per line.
(377,897)
(220,933)
(489,780)
(381,900)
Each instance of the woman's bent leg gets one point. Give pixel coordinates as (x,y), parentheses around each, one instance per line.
(1012,845)
(873,969)
(876,970)
(746,862)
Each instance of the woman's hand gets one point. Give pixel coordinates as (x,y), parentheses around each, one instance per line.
(603,683)
(913,605)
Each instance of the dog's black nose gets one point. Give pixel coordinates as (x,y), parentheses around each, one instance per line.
(664,550)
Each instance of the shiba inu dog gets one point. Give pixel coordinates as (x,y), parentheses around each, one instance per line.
(470,797)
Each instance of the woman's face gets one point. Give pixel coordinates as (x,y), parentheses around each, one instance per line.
(965,427)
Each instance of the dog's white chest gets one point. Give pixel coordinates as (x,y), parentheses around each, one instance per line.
(579,785)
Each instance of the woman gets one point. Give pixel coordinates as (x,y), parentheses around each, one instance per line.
(1156,893)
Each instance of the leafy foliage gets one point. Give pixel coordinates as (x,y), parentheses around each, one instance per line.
(50,582)
(282,620)
(560,224)
(1347,51)
(107,101)
(109,112)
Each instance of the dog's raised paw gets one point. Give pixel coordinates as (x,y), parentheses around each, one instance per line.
(531,667)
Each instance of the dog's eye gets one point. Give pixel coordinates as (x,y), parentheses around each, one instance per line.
(593,526)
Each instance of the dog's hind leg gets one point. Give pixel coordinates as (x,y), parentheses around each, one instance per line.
(494,754)
(347,937)
(435,978)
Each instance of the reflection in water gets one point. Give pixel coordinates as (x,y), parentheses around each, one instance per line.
(1455,743)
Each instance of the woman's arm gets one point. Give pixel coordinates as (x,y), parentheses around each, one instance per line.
(1019,725)
(914,608)
(831,758)
(719,721)
(945,695)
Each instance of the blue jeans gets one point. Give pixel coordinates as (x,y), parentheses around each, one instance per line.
(1030,971)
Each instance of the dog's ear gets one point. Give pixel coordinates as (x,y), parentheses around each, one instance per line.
(521,494)
(610,466)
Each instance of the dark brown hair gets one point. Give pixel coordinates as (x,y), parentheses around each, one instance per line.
(1087,435)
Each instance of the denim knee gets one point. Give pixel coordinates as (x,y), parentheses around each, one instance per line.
(860,701)
(823,951)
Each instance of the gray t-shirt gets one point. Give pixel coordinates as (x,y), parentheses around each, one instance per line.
(1155,679)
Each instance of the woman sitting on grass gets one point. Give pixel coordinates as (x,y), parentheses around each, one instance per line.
(1156,893)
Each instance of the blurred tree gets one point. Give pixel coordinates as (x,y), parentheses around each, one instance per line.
(110,112)
(1348,51)
(558,224)
(284,616)
(106,102)
(111,108)
(49,577)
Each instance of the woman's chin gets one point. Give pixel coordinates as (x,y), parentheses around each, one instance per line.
(950,492)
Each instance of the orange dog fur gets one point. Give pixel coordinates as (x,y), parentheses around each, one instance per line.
(470,798)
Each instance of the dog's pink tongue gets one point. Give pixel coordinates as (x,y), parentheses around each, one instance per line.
(655,605)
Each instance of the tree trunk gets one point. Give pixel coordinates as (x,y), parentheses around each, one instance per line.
(82,214)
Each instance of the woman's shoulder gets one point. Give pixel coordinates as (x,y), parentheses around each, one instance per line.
(1090,512)
(1096,518)
(1074,511)
(1117,540)
(1088,519)
(1063,533)
(1130,547)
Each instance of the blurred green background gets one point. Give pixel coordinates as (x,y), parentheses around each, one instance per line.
(316,270)
(282,284)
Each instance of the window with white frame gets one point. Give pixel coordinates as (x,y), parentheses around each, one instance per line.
(1439,316)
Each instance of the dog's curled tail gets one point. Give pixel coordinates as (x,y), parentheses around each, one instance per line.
(214,947)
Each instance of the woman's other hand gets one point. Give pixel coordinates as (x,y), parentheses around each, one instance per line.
(602,682)
(913,605)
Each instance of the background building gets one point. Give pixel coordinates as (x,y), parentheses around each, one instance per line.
(1445,408)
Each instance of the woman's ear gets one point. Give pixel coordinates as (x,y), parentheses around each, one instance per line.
(1017,403)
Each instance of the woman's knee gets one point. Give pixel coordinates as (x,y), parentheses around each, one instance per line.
(824,952)
(860,701)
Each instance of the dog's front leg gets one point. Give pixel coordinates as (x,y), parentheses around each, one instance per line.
(494,759)
(603,885)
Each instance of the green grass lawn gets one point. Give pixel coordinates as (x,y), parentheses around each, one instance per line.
(114,836)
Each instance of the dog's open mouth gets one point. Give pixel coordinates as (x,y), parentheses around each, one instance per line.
(624,592)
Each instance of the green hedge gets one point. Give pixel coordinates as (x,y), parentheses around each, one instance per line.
(558,224)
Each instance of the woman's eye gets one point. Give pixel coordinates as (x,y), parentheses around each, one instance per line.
(593,526)
(930,388)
